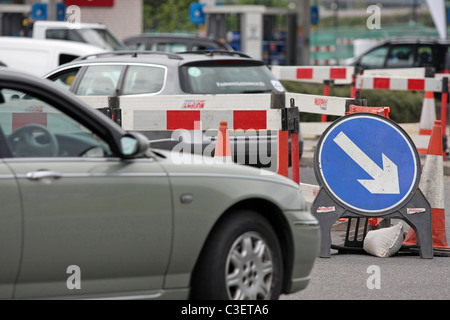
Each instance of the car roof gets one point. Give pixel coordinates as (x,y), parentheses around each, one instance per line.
(80,25)
(416,41)
(167,58)
(183,38)
(171,36)
(78,48)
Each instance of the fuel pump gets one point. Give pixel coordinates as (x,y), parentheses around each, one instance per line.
(268,34)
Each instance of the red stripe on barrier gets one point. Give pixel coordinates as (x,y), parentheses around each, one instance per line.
(416,84)
(381,83)
(244,120)
(22,119)
(295,158)
(422,151)
(338,73)
(182,119)
(425,132)
(283,153)
(304,73)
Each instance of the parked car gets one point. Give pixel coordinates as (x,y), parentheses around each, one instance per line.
(173,43)
(90,211)
(407,54)
(162,73)
(96,34)
(39,57)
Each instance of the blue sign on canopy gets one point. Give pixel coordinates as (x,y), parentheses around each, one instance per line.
(39,11)
(314,15)
(367,163)
(196,14)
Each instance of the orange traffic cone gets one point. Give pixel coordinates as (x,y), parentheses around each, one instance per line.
(427,117)
(432,186)
(222,153)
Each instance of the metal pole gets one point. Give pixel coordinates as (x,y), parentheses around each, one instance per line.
(444,102)
(278,101)
(303,35)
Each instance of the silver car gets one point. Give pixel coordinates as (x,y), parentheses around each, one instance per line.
(90,211)
(149,73)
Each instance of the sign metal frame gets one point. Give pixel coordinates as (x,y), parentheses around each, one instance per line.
(412,207)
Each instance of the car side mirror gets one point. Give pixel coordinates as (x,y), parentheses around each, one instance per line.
(133,144)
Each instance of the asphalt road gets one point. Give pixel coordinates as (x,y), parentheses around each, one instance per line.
(360,276)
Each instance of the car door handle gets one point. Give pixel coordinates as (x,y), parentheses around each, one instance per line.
(37,175)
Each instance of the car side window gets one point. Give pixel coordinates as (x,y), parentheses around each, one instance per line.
(401,56)
(65,78)
(142,46)
(375,58)
(203,47)
(144,79)
(34,128)
(425,56)
(60,34)
(169,47)
(99,80)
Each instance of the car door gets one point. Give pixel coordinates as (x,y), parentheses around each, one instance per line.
(10,230)
(94,223)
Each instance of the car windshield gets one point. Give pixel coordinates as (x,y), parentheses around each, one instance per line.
(100,37)
(228,76)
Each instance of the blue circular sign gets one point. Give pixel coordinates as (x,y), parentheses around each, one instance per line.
(367,163)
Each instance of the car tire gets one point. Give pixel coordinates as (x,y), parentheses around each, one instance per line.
(241,260)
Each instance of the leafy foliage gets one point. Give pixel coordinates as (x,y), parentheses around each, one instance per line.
(173,15)
(168,16)
(405,106)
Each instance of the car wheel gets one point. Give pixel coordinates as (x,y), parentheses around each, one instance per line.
(241,261)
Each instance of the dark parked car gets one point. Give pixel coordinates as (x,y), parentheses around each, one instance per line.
(407,54)
(173,43)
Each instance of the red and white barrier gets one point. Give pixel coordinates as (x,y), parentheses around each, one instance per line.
(151,120)
(204,112)
(313,73)
(436,84)
(240,111)
(323,74)
(327,105)
(325,62)
(398,83)
(328,48)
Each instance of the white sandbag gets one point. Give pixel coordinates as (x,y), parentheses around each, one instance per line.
(384,242)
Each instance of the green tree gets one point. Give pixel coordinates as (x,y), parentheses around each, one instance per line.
(168,16)
(173,15)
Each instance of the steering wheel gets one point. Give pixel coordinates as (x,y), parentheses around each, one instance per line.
(25,143)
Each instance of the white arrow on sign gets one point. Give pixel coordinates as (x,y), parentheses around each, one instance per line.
(385,181)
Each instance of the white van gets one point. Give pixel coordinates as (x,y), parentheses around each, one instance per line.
(39,57)
(93,33)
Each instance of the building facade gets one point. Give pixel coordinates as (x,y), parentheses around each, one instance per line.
(122,17)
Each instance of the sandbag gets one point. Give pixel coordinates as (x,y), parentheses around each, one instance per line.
(384,242)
